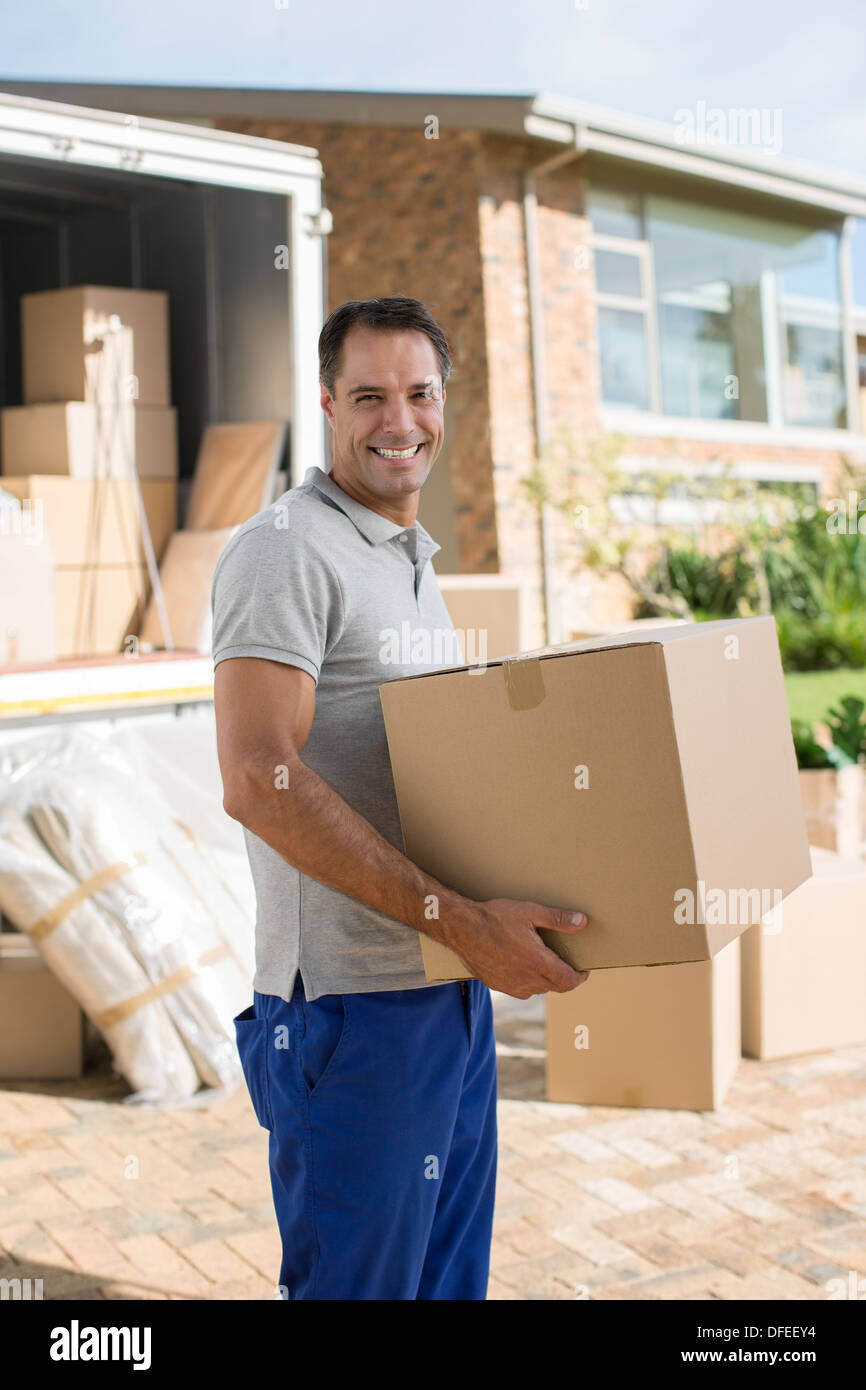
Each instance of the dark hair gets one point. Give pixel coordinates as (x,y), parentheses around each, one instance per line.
(396,313)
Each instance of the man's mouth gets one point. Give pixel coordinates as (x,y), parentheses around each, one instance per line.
(407,453)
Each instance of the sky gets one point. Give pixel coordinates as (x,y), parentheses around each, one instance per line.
(804,63)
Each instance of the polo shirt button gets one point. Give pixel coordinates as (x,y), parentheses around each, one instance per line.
(404,538)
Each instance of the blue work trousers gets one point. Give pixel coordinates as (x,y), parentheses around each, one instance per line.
(381,1111)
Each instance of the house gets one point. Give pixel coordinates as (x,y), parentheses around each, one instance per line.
(597,275)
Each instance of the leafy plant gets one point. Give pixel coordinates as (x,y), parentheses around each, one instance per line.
(828,642)
(810,753)
(717,585)
(740,547)
(848,727)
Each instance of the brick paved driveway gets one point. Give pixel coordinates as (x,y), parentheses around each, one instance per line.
(764,1199)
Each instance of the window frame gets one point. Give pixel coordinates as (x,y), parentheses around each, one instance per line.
(852,323)
(645,304)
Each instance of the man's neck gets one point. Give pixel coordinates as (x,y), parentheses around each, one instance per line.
(403,511)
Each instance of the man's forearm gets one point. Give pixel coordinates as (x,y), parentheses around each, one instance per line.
(317,832)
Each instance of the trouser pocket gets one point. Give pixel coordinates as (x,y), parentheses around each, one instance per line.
(323,1031)
(251,1034)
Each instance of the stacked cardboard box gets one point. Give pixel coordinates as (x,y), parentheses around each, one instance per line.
(665,1037)
(84,439)
(27,599)
(488,611)
(96,412)
(41,1025)
(236,472)
(804,967)
(834,802)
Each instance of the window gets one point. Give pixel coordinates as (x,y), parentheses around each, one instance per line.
(623,295)
(858,310)
(691,501)
(615,214)
(810,320)
(858,261)
(623,283)
(622,336)
(709,313)
(708,284)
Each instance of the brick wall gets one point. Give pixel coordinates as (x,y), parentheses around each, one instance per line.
(512,416)
(405,214)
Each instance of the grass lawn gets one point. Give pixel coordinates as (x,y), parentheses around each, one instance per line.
(810,693)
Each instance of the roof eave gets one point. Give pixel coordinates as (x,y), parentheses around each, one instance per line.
(648,142)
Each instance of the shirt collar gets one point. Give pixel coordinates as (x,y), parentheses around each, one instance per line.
(372,526)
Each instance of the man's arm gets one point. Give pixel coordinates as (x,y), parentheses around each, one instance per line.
(264,711)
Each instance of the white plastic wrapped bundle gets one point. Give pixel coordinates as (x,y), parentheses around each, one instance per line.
(204,872)
(176,918)
(88,955)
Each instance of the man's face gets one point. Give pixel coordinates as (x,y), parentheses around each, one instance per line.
(388,398)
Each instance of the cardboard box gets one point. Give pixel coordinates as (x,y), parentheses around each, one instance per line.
(187,574)
(834,804)
(648,779)
(27,604)
(235,473)
(63,331)
(98,607)
(80,439)
(487,610)
(41,1025)
(90,521)
(666,1036)
(804,968)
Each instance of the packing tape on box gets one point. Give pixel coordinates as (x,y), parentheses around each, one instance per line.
(524,683)
(46,924)
(119,1012)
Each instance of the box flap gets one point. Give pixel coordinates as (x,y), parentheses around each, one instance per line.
(657,636)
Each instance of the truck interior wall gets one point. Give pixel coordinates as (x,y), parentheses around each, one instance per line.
(214,250)
(170,240)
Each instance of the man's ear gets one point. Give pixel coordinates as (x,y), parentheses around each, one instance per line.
(327,403)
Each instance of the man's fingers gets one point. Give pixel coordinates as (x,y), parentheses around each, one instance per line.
(561,919)
(562,976)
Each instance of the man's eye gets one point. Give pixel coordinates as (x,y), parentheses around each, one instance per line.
(424,395)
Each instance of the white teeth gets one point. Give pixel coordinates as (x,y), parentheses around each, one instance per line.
(396,453)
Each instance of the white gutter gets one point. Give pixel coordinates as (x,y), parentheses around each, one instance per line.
(655,142)
(738,175)
(552,615)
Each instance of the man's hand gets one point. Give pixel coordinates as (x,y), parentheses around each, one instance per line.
(499,943)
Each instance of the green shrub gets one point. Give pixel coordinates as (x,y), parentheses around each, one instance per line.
(848,726)
(816,572)
(810,576)
(822,643)
(810,753)
(718,585)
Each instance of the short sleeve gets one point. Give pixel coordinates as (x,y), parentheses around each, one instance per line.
(275,595)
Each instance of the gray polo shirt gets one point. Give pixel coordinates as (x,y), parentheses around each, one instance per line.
(319,581)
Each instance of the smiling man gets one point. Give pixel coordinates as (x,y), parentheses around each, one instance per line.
(378,1089)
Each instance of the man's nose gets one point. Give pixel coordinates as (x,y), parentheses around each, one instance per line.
(398,418)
